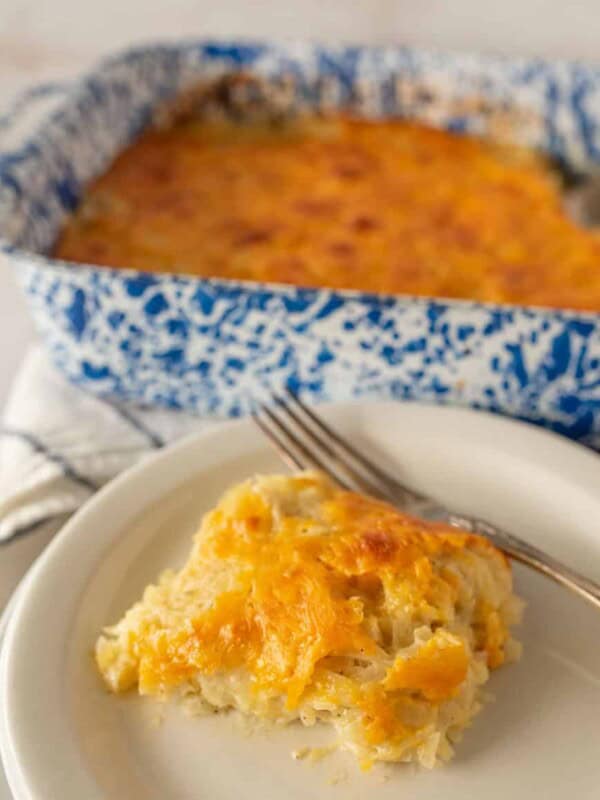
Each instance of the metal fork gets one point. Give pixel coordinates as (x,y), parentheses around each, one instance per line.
(305,441)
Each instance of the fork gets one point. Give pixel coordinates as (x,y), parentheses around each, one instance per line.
(306,441)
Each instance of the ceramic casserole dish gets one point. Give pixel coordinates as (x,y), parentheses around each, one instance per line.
(212,345)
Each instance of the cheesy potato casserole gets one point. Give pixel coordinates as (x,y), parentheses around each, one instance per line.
(301,601)
(380,206)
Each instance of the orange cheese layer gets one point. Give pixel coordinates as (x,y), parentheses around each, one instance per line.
(388,206)
(303,589)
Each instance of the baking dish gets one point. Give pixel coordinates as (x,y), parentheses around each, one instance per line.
(213,345)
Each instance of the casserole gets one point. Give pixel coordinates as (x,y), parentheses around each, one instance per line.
(388,206)
(301,601)
(209,345)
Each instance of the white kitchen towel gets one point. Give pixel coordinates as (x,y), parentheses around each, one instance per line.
(59,444)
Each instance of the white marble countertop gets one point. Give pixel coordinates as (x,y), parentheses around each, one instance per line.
(44,41)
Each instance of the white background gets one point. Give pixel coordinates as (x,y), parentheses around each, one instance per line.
(42,39)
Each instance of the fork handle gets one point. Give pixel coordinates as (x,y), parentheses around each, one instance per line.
(531,556)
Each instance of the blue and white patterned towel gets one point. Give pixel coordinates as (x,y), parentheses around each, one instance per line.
(58,445)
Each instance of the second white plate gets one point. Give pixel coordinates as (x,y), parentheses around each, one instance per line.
(63,736)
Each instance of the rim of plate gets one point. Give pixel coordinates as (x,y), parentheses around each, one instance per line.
(235,439)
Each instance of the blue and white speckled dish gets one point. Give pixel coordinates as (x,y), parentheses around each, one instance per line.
(210,345)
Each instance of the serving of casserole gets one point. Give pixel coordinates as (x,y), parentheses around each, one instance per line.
(301,601)
(349,222)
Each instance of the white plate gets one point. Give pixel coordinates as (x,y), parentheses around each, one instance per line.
(5,793)
(63,736)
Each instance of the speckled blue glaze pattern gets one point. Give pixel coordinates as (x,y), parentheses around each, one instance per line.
(211,345)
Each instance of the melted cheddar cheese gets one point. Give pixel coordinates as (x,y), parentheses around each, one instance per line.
(300,599)
(380,206)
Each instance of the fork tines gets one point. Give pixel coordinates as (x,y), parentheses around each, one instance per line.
(306,441)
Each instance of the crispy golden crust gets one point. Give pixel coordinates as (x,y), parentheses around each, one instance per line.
(306,596)
(389,206)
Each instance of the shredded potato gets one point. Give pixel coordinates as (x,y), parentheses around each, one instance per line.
(303,601)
